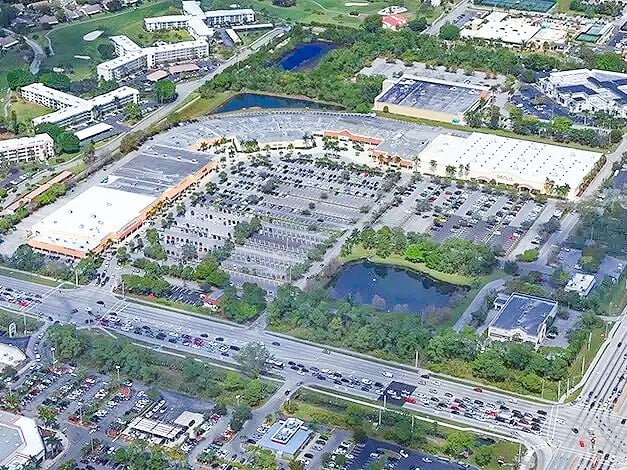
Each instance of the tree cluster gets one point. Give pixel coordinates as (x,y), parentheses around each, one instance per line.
(456,256)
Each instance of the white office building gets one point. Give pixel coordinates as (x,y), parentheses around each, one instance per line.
(39,147)
(588,91)
(72,109)
(523,319)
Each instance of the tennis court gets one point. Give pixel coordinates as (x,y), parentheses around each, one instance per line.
(524,5)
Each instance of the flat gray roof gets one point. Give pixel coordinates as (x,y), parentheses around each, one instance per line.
(524,312)
(10,441)
(156,168)
(442,97)
(290,448)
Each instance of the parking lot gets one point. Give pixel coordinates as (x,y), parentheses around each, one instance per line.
(302,205)
(447,211)
(397,458)
(95,406)
(532,101)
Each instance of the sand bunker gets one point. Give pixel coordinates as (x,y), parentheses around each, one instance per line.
(92,36)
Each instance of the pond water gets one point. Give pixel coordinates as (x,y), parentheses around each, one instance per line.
(390,288)
(256,101)
(305,55)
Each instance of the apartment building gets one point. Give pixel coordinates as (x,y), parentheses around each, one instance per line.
(237,16)
(122,66)
(166,22)
(151,57)
(49,97)
(39,147)
(124,45)
(71,109)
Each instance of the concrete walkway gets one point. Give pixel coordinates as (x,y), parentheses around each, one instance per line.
(477,302)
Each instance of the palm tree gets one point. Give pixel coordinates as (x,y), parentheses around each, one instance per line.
(203,146)
(53,444)
(433,165)
(450,170)
(549,186)
(563,190)
(11,401)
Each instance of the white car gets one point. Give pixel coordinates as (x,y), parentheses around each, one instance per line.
(388,374)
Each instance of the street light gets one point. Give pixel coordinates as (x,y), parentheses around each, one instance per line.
(52,350)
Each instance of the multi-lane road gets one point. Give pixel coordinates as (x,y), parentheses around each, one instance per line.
(578,435)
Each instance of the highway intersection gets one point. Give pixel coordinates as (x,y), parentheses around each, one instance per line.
(587,434)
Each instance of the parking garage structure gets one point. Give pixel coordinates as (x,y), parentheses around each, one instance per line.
(120,203)
(430,98)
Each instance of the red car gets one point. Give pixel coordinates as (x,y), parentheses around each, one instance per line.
(477,389)
(582,444)
(410,400)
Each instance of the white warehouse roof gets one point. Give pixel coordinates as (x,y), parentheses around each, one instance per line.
(85,221)
(512,161)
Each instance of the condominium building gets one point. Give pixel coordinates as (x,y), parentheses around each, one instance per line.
(150,57)
(39,147)
(166,22)
(72,109)
(238,16)
(49,97)
(122,66)
(176,52)
(124,45)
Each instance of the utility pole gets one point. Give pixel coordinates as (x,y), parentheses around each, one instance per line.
(76,277)
(117,367)
(559,389)
(542,393)
(416,365)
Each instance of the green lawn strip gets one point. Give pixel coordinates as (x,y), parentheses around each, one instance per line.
(201,312)
(574,371)
(22,321)
(309,409)
(617,300)
(498,132)
(30,277)
(195,106)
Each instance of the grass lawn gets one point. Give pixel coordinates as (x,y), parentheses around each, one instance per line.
(329,11)
(10,59)
(24,276)
(67,39)
(617,298)
(25,110)
(195,106)
(574,372)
